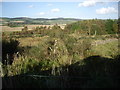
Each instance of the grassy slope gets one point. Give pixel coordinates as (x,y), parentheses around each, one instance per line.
(109,49)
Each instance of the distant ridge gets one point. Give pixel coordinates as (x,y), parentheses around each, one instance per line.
(18,21)
(24,18)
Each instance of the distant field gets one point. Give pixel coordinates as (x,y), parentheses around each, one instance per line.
(17,21)
(33,26)
(30,27)
(6,28)
(1,20)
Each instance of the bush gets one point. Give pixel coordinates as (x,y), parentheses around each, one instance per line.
(23,65)
(9,48)
(51,49)
(77,47)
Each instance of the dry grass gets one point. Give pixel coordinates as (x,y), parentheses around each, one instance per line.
(18,21)
(6,28)
(1,20)
(30,41)
(33,26)
(30,27)
(107,49)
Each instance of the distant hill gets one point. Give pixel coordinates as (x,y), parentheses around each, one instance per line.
(43,21)
(24,18)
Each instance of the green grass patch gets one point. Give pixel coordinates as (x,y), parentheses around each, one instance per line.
(109,50)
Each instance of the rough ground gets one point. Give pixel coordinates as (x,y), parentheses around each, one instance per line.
(98,42)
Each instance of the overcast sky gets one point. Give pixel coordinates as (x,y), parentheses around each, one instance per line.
(84,10)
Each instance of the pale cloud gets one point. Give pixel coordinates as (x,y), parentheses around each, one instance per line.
(31,6)
(55,10)
(88,3)
(108,10)
(115,0)
(41,13)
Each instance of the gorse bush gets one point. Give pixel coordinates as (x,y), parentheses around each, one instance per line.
(77,47)
(26,66)
(9,48)
(49,49)
(23,65)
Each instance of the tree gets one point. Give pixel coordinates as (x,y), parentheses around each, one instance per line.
(109,26)
(115,27)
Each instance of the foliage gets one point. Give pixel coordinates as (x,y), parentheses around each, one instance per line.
(9,48)
(109,26)
(94,26)
(77,47)
(23,65)
(109,50)
(67,54)
(49,49)
(13,24)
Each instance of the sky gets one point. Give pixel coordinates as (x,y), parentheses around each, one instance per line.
(89,9)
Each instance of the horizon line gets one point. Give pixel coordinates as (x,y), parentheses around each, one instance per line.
(54,17)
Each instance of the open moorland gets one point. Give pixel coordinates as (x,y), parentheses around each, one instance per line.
(80,53)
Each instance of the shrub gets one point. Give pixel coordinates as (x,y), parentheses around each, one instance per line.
(9,48)
(77,47)
(49,49)
(23,65)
